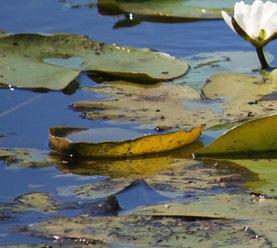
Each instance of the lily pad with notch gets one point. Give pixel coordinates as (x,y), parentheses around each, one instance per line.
(242,96)
(54,61)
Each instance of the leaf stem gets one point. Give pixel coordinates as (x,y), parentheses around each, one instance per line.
(262,58)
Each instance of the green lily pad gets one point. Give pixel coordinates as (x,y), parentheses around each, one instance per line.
(36,201)
(242,96)
(226,98)
(145,231)
(25,158)
(242,208)
(175,10)
(70,243)
(266,171)
(237,206)
(5,153)
(22,72)
(255,136)
(109,7)
(53,61)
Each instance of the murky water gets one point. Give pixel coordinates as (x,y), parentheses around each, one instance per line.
(25,116)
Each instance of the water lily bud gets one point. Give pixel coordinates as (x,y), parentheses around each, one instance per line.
(257,23)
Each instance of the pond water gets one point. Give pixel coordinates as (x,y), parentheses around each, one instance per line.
(25,116)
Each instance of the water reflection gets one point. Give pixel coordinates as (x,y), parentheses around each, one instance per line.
(140,166)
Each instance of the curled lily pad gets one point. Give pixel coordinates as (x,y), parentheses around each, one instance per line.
(53,61)
(116,142)
(175,10)
(255,136)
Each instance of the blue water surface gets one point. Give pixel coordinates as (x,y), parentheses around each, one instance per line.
(25,116)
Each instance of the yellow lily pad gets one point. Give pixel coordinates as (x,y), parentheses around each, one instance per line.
(255,136)
(135,167)
(88,143)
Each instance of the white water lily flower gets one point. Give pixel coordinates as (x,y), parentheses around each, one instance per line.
(256,23)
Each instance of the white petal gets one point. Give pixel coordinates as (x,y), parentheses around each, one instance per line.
(253,26)
(241,13)
(228,20)
(269,20)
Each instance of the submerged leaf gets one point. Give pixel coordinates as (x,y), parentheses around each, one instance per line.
(53,61)
(97,190)
(25,157)
(204,65)
(255,136)
(88,143)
